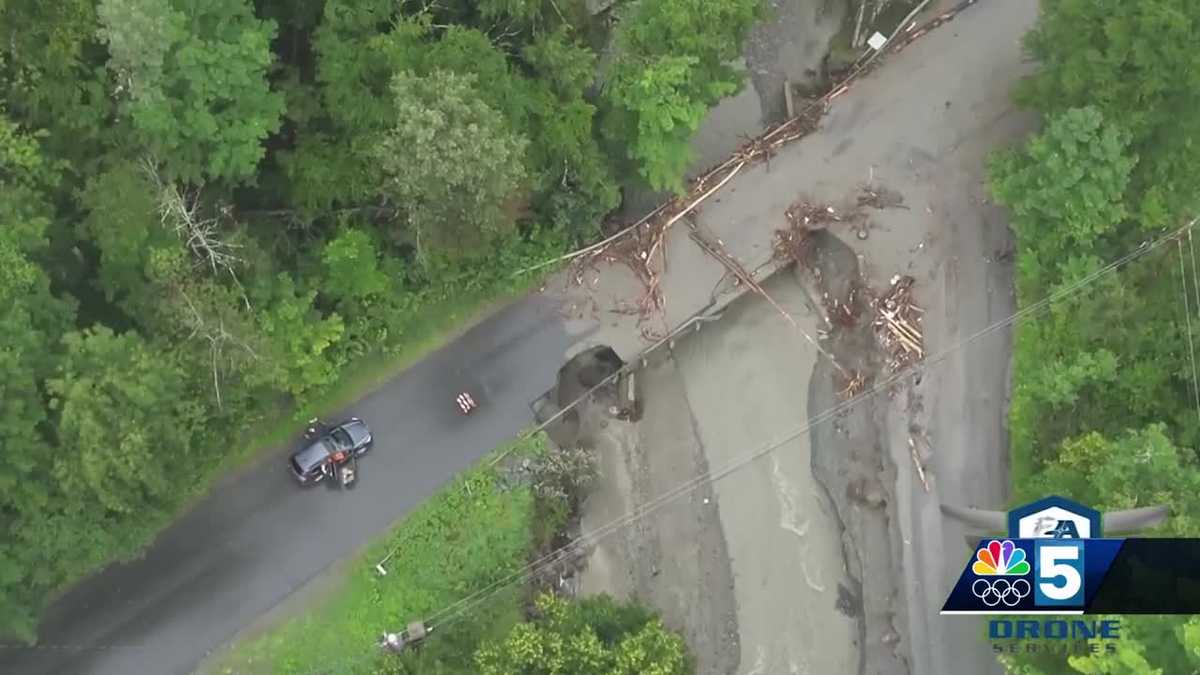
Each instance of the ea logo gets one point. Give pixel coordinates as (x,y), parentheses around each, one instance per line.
(1056,523)
(1063,529)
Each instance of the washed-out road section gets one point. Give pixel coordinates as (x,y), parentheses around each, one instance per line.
(258,537)
(918,129)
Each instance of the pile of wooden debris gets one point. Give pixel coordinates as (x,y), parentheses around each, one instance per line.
(898,324)
(806,216)
(792,244)
(852,385)
(640,255)
(645,254)
(879,197)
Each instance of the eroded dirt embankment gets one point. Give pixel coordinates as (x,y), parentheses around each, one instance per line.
(850,460)
(750,566)
(670,555)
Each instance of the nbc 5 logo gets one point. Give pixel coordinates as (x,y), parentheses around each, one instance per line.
(1058,567)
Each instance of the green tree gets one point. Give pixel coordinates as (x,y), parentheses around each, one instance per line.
(1066,188)
(663,105)
(47,78)
(352,267)
(525,13)
(33,319)
(298,339)
(1111,358)
(213,327)
(31,325)
(124,459)
(673,64)
(562,64)
(1135,63)
(332,161)
(151,119)
(573,182)
(451,162)
(591,636)
(124,225)
(194,76)
(538,86)
(1140,467)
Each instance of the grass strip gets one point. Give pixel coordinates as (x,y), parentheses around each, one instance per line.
(473,532)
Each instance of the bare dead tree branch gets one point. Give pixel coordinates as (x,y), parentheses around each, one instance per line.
(856,37)
(213,332)
(180,212)
(216,376)
(507,31)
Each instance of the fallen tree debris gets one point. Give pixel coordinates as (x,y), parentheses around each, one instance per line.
(912,448)
(646,256)
(897,324)
(845,314)
(808,216)
(718,252)
(650,228)
(853,386)
(879,197)
(792,244)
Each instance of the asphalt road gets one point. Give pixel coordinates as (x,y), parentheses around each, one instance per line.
(258,537)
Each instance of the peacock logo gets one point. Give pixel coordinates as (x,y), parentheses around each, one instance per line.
(1000,558)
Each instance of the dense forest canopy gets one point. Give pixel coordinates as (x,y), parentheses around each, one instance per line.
(1104,407)
(207,209)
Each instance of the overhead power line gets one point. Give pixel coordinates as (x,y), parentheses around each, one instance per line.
(451,612)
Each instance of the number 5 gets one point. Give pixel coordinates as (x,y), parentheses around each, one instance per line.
(1052,567)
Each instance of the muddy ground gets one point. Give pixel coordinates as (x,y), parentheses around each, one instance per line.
(851,460)
(675,560)
(919,129)
(755,567)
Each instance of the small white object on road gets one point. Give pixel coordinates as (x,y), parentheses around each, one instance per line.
(877,41)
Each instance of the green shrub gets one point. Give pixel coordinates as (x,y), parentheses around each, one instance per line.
(472,534)
(590,636)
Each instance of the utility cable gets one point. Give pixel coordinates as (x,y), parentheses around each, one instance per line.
(451,612)
(1187,316)
(1196,290)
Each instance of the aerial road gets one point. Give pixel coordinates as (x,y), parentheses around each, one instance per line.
(258,536)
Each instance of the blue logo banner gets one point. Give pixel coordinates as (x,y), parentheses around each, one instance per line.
(1032,576)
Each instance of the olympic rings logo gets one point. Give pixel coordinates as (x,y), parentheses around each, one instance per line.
(992,593)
